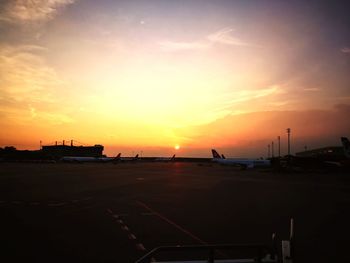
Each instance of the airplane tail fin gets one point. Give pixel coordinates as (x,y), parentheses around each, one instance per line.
(346,145)
(223,156)
(136,157)
(172,158)
(216,155)
(117,158)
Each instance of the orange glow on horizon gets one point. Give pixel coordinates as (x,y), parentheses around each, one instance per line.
(130,78)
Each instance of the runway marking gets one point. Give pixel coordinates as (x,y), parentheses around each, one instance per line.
(140,178)
(124,227)
(140,246)
(172,223)
(132,236)
(109,211)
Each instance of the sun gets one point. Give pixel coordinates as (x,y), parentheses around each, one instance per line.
(177,147)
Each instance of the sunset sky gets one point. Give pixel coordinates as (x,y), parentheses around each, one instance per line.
(148,75)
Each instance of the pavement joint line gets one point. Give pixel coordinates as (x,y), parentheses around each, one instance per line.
(172,223)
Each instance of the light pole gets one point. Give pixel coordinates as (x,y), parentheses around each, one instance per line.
(268,151)
(279,146)
(272,150)
(288,133)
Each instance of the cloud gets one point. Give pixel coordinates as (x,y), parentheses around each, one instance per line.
(248,134)
(345,50)
(24,73)
(177,46)
(311,89)
(223,36)
(246,95)
(49,117)
(28,86)
(23,11)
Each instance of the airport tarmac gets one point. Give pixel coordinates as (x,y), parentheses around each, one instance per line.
(116,213)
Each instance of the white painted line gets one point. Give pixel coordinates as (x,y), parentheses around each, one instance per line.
(140,178)
(120,221)
(132,236)
(170,222)
(115,216)
(141,247)
(109,211)
(125,228)
(57,204)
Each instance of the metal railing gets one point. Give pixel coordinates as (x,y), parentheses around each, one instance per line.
(261,251)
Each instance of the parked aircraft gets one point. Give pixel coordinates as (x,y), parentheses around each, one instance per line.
(128,159)
(77,159)
(346,145)
(324,162)
(165,159)
(243,163)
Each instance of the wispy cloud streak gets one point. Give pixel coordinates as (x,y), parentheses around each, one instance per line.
(223,36)
(26,81)
(24,73)
(345,50)
(23,11)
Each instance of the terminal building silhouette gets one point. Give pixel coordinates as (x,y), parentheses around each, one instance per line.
(51,152)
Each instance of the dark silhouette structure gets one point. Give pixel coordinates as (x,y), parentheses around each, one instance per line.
(58,151)
(50,152)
